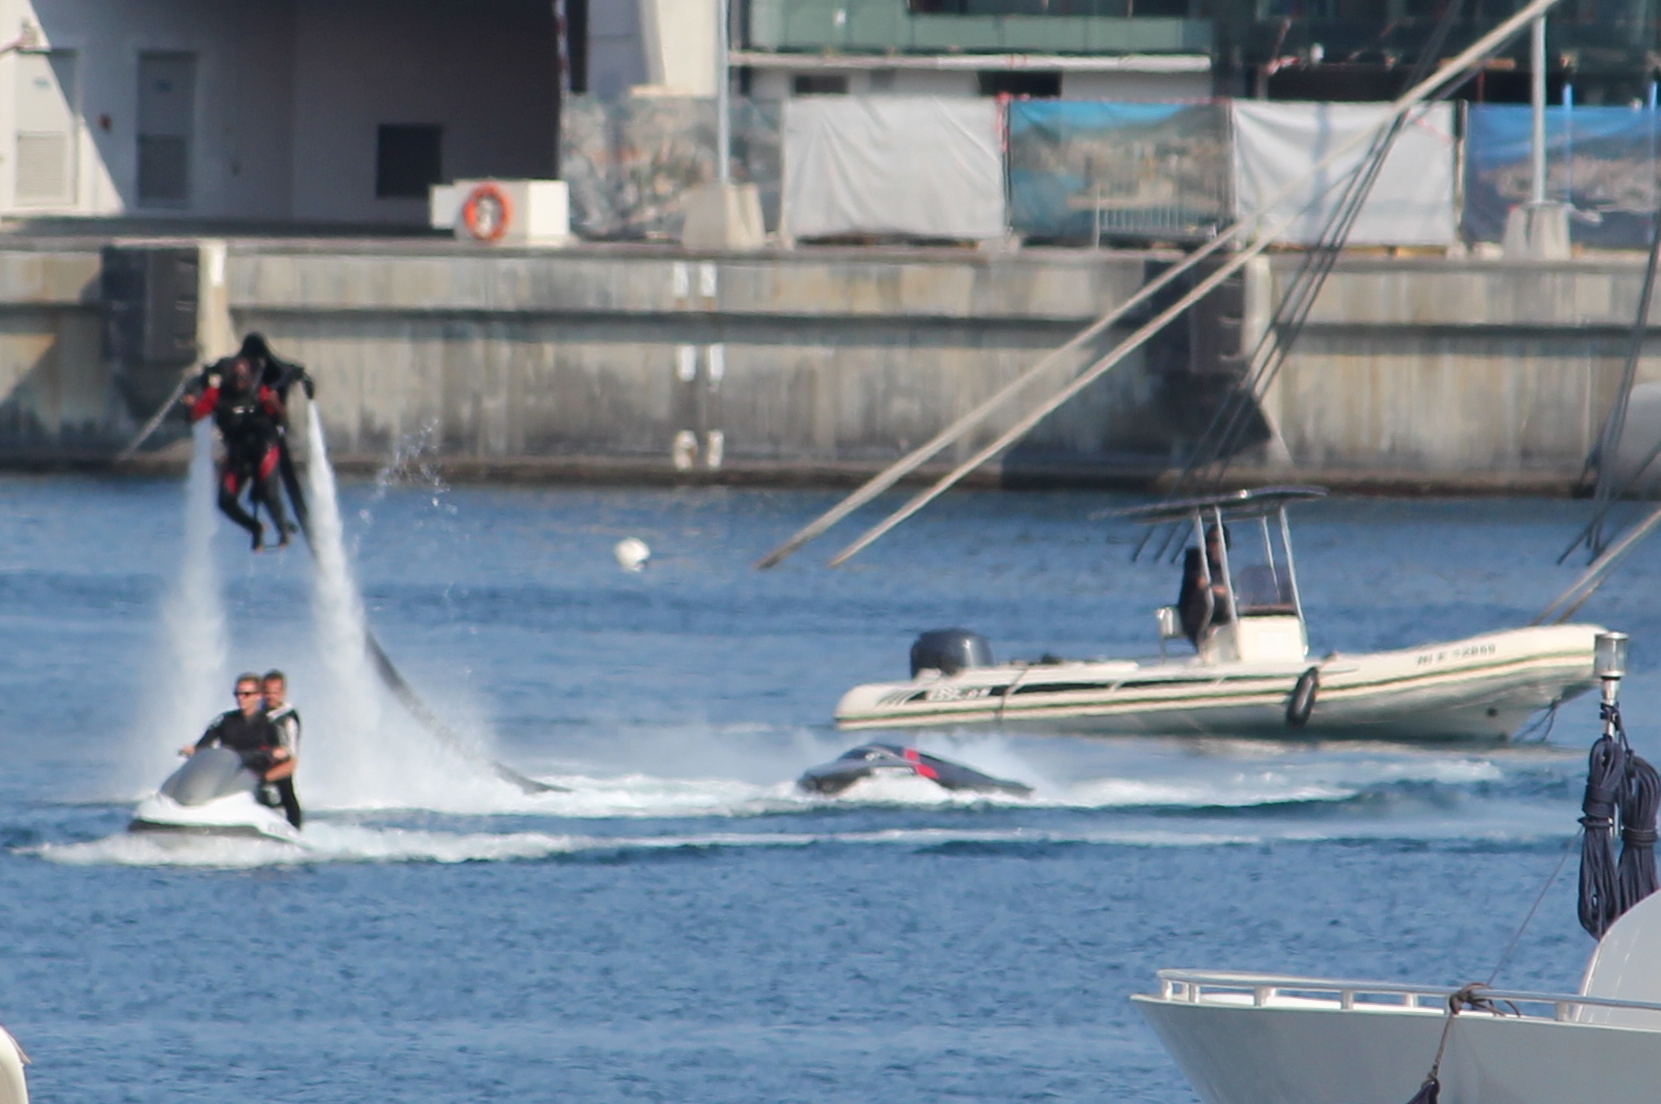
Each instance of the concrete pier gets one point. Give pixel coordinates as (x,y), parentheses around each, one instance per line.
(823,365)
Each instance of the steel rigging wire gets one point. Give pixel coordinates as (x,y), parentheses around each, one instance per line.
(1223,437)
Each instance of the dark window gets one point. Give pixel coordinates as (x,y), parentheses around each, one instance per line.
(1001,83)
(408,160)
(820,84)
(576,42)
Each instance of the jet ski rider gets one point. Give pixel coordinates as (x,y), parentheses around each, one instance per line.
(286,719)
(249,414)
(247,731)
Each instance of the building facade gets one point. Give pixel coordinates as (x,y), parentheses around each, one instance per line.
(280,111)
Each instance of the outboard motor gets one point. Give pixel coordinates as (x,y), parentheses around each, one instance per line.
(950,651)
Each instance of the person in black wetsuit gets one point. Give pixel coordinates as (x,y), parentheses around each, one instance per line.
(273,371)
(279,376)
(246,730)
(249,415)
(1203,600)
(286,719)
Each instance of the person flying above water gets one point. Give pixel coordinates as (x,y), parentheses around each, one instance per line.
(275,372)
(247,731)
(250,417)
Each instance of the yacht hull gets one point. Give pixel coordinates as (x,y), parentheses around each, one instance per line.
(1479,688)
(1244,1054)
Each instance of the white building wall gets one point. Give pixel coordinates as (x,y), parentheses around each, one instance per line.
(678,37)
(288,98)
(483,71)
(239,164)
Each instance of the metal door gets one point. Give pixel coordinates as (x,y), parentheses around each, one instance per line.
(47,125)
(166,123)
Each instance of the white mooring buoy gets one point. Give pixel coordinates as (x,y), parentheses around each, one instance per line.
(632,554)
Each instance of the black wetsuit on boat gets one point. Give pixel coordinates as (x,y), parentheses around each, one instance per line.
(250,737)
(286,720)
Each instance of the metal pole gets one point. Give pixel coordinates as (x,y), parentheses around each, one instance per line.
(1537,100)
(723,96)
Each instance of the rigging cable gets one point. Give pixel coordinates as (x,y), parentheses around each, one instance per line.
(1224,435)
(1609,441)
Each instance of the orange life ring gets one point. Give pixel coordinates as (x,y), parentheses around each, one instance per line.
(486,213)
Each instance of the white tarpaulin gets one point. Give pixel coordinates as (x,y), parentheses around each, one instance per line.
(1411,203)
(909,166)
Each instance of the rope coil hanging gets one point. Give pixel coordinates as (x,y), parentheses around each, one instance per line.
(1623,793)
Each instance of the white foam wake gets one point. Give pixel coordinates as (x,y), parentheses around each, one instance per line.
(355,843)
(361,750)
(192,657)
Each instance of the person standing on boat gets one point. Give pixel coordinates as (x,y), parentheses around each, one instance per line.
(279,780)
(1203,601)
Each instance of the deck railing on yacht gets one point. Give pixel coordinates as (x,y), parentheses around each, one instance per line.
(1278,990)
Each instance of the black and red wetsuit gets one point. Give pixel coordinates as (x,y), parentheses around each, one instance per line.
(250,421)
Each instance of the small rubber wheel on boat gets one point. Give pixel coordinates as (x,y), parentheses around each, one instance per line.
(1302,701)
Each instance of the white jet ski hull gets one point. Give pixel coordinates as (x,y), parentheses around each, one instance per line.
(235,814)
(1480,688)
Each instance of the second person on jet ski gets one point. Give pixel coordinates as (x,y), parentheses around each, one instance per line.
(250,418)
(285,719)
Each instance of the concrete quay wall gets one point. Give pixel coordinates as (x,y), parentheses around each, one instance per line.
(1426,373)
(802,365)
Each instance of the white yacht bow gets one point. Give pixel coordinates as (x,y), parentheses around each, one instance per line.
(1270,1039)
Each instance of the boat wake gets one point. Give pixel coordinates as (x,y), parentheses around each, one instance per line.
(1101,794)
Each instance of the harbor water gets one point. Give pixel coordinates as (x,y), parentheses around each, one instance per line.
(682,926)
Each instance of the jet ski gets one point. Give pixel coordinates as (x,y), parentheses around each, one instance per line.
(212,794)
(875,760)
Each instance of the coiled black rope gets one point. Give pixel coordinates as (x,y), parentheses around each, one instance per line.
(1640,799)
(1599,887)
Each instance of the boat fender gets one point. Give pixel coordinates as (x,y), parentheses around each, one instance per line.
(1302,701)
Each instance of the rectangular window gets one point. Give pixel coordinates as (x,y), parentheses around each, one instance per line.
(820,84)
(1002,82)
(409,159)
(166,122)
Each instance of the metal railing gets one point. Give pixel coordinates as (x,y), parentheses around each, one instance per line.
(1269,990)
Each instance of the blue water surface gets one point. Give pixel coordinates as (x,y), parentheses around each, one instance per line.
(682,926)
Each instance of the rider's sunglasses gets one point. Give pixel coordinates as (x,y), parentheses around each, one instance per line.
(247,693)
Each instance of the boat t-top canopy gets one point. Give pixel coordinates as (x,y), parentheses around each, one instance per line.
(1257,502)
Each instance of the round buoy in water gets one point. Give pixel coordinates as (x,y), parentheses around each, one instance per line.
(632,554)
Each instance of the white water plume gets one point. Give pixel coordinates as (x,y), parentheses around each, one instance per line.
(361,749)
(188,688)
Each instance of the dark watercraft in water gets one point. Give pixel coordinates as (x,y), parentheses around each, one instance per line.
(212,794)
(873,760)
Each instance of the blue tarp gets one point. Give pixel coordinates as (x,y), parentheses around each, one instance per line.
(1153,171)
(1601,160)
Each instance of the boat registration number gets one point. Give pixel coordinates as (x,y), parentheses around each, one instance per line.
(1469,651)
(957,693)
